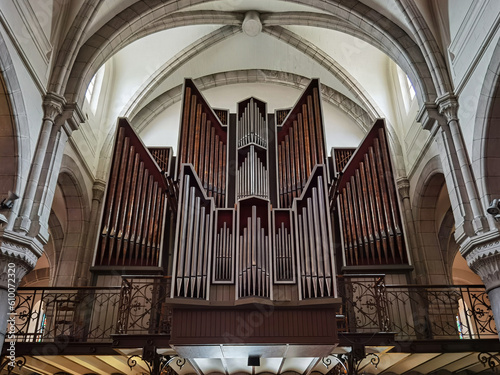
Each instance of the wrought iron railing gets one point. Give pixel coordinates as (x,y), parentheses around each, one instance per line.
(440,312)
(415,312)
(139,307)
(142,306)
(364,304)
(65,314)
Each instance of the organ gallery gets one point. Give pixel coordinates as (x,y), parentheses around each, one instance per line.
(250,213)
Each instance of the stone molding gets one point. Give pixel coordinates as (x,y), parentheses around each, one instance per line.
(403,185)
(22,250)
(448,107)
(53,105)
(98,190)
(488,268)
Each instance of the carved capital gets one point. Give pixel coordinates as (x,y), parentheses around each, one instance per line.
(52,106)
(448,107)
(488,269)
(9,265)
(403,185)
(17,252)
(98,190)
(483,258)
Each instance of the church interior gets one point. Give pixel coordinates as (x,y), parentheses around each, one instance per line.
(192,187)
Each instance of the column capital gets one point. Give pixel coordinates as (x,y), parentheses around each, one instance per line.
(53,105)
(483,257)
(403,185)
(98,190)
(448,107)
(23,251)
(488,268)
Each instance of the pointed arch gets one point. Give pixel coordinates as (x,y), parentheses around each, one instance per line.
(15,155)
(70,181)
(127,26)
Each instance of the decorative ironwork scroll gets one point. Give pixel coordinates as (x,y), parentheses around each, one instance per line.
(65,314)
(142,307)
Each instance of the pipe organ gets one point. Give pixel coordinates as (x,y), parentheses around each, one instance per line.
(301,146)
(252,208)
(203,143)
(132,225)
(369,215)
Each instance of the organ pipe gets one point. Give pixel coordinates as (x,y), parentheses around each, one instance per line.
(368,209)
(135,204)
(203,143)
(314,239)
(193,238)
(253,249)
(301,145)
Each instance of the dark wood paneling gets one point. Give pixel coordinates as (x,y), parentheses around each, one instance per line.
(264,324)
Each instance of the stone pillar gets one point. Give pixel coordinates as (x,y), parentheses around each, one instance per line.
(484,259)
(85,259)
(18,256)
(469,217)
(403,185)
(52,107)
(60,119)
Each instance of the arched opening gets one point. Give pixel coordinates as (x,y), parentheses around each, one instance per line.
(8,147)
(433,224)
(71,206)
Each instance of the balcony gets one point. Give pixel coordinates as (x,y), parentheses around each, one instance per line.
(386,320)
(415,312)
(138,307)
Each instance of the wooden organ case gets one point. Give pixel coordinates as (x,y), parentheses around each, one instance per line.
(250,217)
(254,232)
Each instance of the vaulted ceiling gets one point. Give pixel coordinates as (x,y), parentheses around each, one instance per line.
(147,47)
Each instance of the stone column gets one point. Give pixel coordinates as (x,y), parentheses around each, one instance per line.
(469,217)
(18,256)
(484,259)
(85,259)
(60,119)
(52,107)
(403,185)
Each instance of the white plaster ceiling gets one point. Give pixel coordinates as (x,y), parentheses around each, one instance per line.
(157,63)
(261,6)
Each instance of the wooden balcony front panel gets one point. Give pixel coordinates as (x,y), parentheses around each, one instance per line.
(260,325)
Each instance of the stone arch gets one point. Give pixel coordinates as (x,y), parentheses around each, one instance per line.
(432,227)
(15,156)
(109,39)
(72,252)
(45,268)
(363,118)
(486,138)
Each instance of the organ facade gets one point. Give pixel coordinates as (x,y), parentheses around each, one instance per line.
(250,213)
